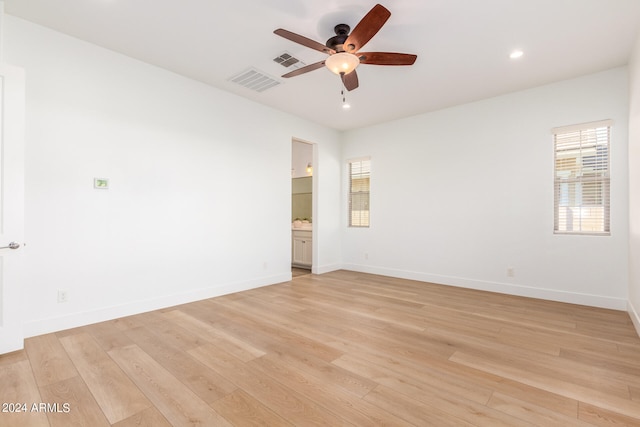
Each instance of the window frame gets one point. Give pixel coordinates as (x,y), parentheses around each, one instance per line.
(591,171)
(365,218)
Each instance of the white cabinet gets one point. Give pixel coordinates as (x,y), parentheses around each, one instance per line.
(301,254)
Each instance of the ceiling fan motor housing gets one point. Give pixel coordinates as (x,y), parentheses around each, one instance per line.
(336,42)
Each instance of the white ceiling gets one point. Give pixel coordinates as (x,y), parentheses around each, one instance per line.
(462,46)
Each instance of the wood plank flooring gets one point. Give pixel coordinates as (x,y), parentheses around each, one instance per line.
(339,349)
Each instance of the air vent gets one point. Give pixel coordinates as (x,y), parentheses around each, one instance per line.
(286,60)
(255,80)
(289,61)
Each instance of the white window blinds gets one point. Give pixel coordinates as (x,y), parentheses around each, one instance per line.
(359,187)
(581,178)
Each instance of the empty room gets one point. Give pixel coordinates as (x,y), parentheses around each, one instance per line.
(343,213)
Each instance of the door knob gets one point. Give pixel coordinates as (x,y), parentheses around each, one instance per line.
(12,245)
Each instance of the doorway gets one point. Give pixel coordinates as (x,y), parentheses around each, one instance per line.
(302,206)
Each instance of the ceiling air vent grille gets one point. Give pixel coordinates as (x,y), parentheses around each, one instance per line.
(289,61)
(286,60)
(255,80)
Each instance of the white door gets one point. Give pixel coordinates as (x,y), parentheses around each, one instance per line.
(12,125)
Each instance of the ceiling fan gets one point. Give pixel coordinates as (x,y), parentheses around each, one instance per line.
(344,48)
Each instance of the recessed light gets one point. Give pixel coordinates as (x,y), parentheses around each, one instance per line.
(516,54)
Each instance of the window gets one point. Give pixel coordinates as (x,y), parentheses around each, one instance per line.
(359,186)
(581,178)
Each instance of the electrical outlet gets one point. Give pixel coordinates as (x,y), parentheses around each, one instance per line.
(511,272)
(63,296)
(366,255)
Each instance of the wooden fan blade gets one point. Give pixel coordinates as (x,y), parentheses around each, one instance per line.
(350,80)
(297,38)
(386,58)
(367,28)
(304,69)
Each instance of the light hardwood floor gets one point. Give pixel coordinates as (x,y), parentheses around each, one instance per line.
(337,349)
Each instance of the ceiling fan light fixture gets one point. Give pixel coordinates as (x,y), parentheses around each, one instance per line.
(342,63)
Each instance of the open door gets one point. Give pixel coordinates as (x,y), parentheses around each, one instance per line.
(12,126)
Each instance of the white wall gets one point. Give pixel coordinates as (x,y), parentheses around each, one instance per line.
(634,188)
(199,203)
(463,194)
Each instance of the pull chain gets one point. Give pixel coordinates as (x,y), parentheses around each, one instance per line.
(345,104)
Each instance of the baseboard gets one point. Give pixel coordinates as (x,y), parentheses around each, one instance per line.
(635,317)
(73,320)
(504,288)
(59,323)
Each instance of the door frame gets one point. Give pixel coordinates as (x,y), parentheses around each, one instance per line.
(314,199)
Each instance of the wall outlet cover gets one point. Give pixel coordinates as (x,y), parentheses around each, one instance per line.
(63,296)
